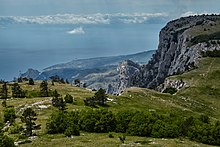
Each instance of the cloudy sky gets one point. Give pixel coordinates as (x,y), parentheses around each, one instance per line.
(48,7)
(40,33)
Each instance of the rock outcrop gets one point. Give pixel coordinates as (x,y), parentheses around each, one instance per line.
(177,84)
(176,52)
(128,70)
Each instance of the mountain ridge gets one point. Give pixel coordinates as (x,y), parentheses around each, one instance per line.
(96,72)
(176,54)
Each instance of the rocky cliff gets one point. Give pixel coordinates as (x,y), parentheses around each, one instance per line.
(181,43)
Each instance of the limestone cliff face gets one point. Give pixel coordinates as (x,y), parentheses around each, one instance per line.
(175,54)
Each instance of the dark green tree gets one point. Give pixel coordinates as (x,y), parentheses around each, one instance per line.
(28,117)
(67,82)
(100,96)
(4,91)
(9,115)
(77,82)
(4,103)
(62,81)
(20,80)
(17,91)
(68,98)
(44,89)
(63,122)
(5,141)
(57,101)
(31,81)
(84,85)
(123,118)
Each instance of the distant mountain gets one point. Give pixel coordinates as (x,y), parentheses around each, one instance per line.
(95,72)
(101,62)
(31,73)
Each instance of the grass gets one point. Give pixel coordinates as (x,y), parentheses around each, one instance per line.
(210,29)
(203,86)
(102,140)
(199,96)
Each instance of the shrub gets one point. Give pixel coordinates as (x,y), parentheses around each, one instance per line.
(72,130)
(141,124)
(68,98)
(99,121)
(61,120)
(123,118)
(15,129)
(6,141)
(9,115)
(170,90)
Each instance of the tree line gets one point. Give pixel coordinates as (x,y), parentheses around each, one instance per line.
(146,124)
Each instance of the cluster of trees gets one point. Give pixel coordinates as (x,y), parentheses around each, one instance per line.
(205,38)
(28,117)
(56,78)
(99,98)
(147,124)
(78,83)
(5,141)
(214,53)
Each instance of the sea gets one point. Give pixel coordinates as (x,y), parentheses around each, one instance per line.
(38,46)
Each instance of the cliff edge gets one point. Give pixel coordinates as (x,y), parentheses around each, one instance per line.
(181,44)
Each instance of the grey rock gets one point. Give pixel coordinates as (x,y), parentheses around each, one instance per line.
(173,56)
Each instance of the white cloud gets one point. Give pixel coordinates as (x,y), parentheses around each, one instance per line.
(85,19)
(190,13)
(78,30)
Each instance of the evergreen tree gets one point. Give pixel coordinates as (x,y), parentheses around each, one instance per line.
(4,103)
(62,81)
(31,81)
(68,98)
(28,117)
(4,91)
(17,91)
(100,96)
(84,85)
(67,82)
(44,89)
(20,80)
(77,82)
(57,101)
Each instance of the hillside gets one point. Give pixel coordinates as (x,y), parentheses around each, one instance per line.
(95,72)
(195,99)
(184,111)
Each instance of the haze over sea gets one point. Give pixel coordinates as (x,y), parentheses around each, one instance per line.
(37,34)
(29,45)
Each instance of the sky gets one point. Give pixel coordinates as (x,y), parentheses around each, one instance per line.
(40,33)
(49,7)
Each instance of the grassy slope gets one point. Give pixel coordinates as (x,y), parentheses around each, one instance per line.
(203,87)
(200,96)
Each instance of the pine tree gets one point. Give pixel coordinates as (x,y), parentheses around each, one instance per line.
(31,81)
(4,91)
(44,89)
(28,117)
(100,96)
(77,82)
(57,101)
(17,91)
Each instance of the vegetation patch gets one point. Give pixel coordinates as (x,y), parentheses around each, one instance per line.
(205,38)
